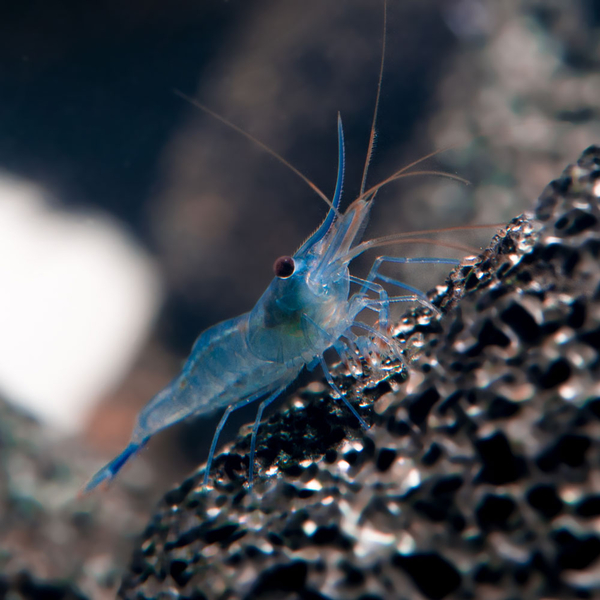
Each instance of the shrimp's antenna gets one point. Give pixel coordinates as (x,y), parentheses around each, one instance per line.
(376,110)
(429,242)
(402,172)
(408,236)
(425,241)
(262,145)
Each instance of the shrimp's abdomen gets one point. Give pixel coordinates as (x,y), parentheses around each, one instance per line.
(220,371)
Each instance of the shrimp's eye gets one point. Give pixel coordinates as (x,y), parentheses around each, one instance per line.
(284,267)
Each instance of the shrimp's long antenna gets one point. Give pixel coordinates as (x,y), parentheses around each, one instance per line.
(376,110)
(262,145)
(407,237)
(402,173)
(427,242)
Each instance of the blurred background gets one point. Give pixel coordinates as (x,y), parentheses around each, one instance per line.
(130,221)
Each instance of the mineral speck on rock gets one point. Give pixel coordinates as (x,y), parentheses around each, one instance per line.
(479,477)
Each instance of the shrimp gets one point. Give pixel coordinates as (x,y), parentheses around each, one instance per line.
(307,309)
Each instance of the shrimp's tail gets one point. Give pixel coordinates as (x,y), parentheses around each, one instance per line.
(107,473)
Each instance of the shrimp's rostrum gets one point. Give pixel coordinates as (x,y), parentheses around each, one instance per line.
(308,308)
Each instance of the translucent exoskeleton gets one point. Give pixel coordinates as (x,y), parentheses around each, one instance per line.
(312,304)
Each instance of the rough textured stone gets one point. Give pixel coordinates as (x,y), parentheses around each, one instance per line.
(479,475)
(52,544)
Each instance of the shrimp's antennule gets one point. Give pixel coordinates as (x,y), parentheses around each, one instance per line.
(337,196)
(262,145)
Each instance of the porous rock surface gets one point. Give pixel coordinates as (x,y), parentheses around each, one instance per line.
(54,546)
(480,475)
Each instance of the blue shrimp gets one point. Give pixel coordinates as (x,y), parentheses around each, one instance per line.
(306,309)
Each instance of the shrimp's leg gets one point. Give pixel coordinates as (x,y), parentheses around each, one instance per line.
(351,350)
(362,301)
(382,305)
(219,429)
(386,339)
(421,296)
(255,427)
(347,354)
(332,383)
(108,472)
(418,295)
(332,341)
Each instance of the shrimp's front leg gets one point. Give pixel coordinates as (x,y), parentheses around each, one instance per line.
(420,296)
(359,302)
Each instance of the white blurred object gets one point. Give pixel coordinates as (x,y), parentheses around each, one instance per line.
(77,298)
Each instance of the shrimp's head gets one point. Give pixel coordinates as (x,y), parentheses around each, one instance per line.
(305,309)
(298,316)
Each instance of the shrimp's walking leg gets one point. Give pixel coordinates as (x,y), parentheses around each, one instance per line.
(347,351)
(363,301)
(332,383)
(255,427)
(389,341)
(421,296)
(108,472)
(219,429)
(382,305)
(308,322)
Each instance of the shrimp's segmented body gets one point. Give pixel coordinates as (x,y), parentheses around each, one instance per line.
(307,308)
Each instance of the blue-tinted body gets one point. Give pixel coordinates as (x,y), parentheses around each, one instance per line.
(306,309)
(259,353)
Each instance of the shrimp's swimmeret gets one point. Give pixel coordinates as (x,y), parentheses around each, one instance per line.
(307,309)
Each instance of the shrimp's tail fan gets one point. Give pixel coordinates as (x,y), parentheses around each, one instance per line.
(109,471)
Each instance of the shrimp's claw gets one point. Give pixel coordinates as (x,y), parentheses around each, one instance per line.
(107,473)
